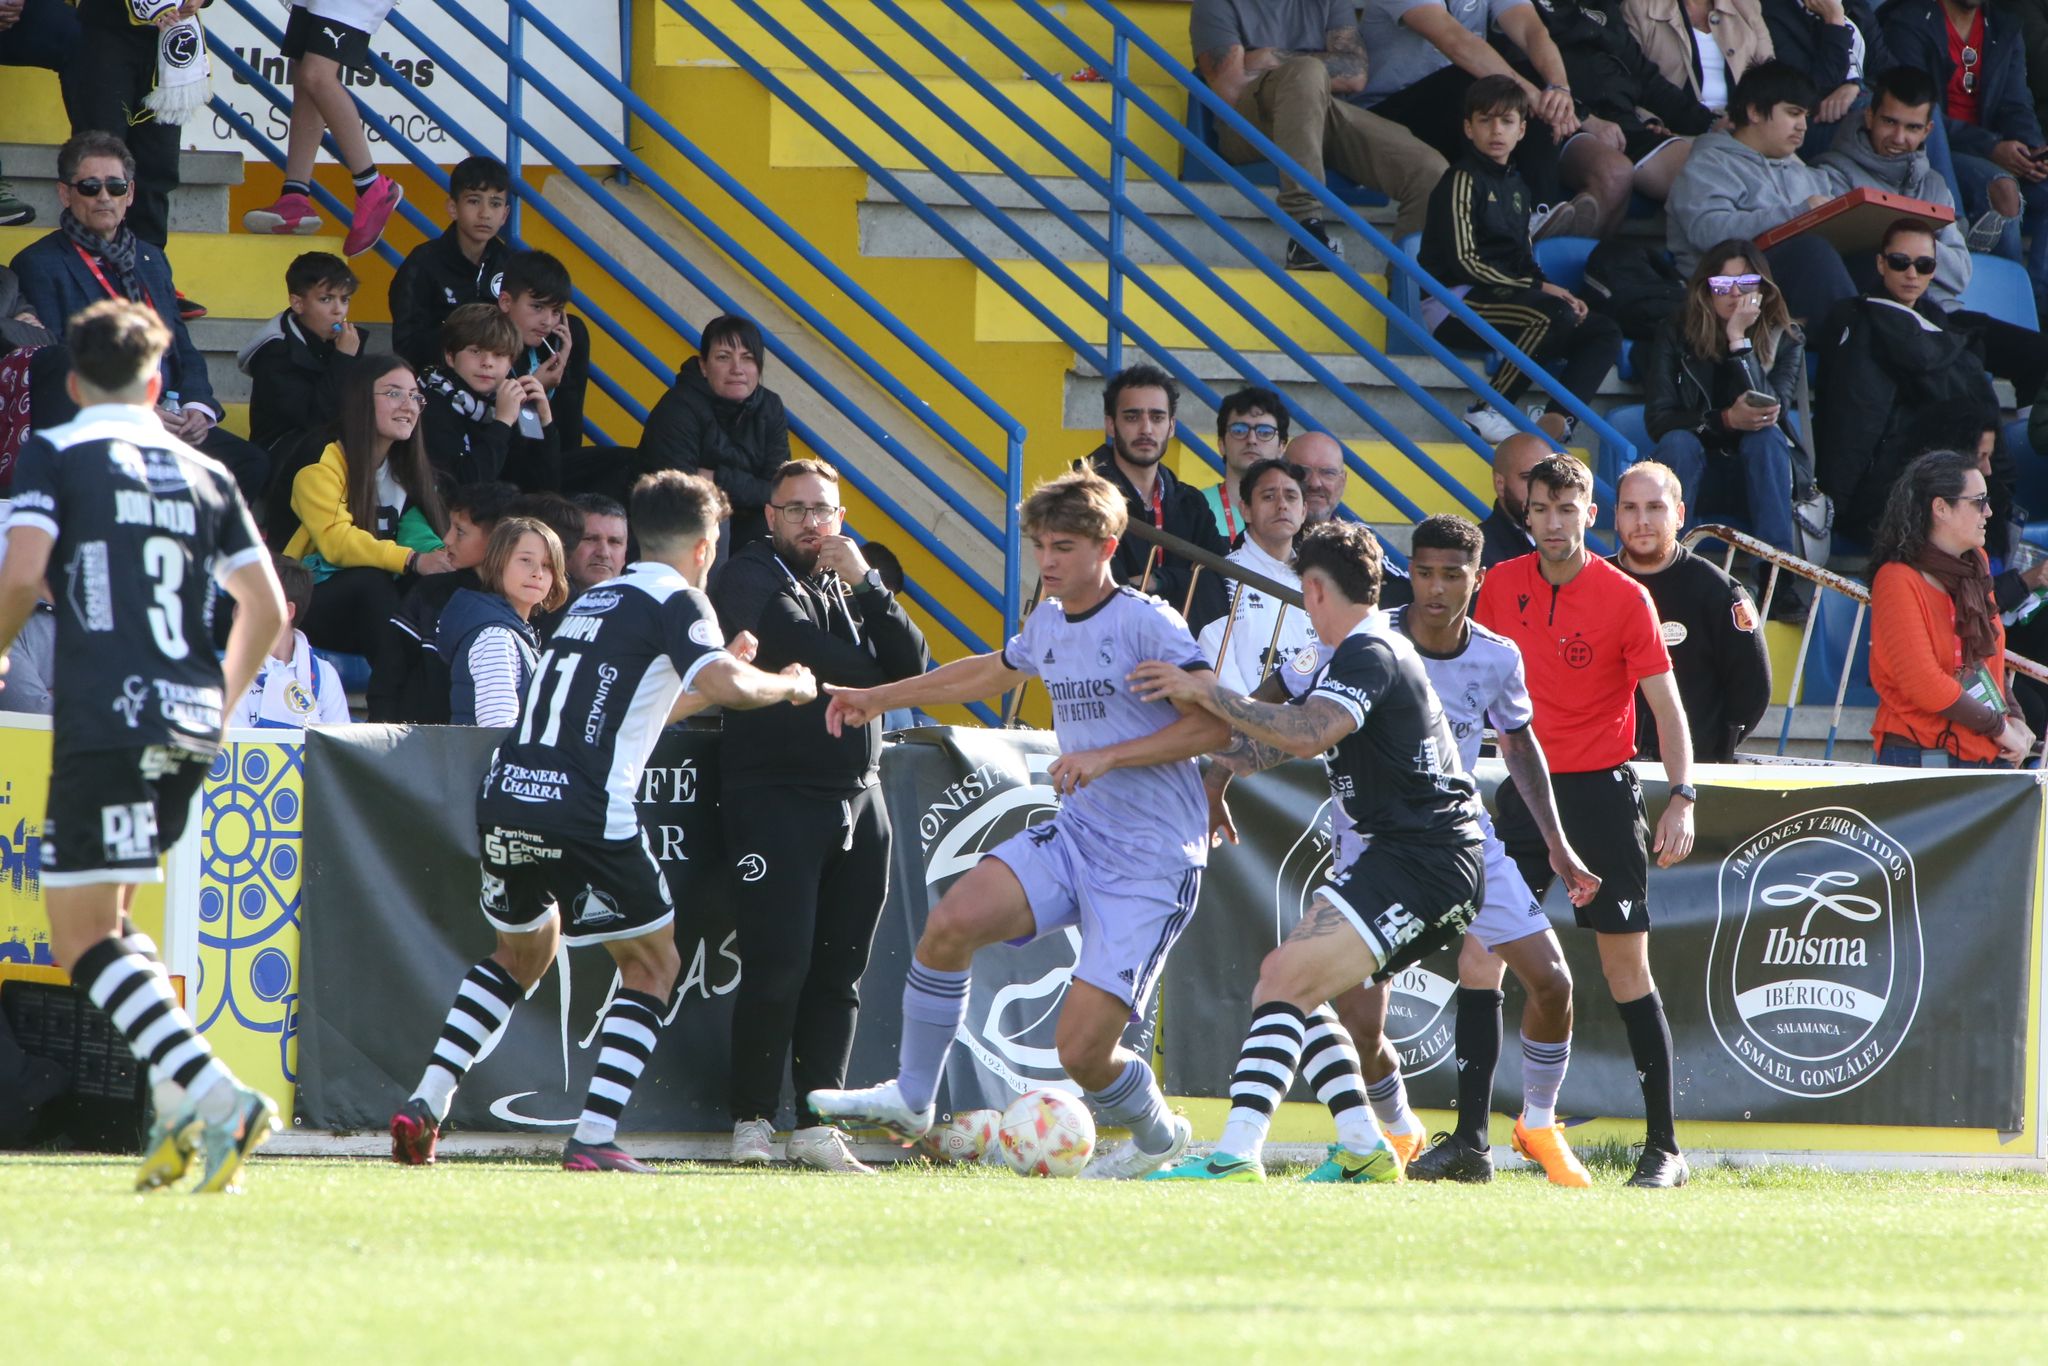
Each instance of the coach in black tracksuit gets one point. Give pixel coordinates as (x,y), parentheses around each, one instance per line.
(806,832)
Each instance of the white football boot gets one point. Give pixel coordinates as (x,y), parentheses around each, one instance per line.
(1130,1162)
(874,1107)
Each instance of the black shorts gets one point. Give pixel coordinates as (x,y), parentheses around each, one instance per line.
(113,812)
(1603,817)
(1408,903)
(613,889)
(306,34)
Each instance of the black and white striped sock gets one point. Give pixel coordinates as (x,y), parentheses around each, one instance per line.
(626,1042)
(1329,1065)
(483,1007)
(1265,1069)
(136,993)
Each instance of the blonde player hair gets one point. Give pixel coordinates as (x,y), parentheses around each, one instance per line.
(1082,503)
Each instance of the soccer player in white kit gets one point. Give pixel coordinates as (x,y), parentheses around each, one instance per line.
(1122,859)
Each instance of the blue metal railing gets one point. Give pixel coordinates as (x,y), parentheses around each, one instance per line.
(1010,538)
(1334,208)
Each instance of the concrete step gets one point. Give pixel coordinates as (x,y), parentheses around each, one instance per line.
(235,277)
(1000,317)
(199,205)
(679,43)
(1809,734)
(889,229)
(793,142)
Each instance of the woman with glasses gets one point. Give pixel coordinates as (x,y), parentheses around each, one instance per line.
(369,515)
(1937,646)
(1892,365)
(1720,385)
(721,420)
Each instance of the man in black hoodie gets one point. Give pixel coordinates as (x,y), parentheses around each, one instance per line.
(1138,407)
(464,265)
(802,811)
(294,365)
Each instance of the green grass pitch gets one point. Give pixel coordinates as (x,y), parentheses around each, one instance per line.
(507,1261)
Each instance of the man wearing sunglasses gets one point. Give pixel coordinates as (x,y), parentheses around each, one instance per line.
(1978,60)
(94,255)
(1892,366)
(1251,425)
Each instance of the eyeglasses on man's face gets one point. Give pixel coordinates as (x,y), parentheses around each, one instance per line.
(796,514)
(1264,431)
(92,187)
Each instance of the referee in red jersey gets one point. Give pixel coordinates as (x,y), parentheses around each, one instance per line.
(1588,636)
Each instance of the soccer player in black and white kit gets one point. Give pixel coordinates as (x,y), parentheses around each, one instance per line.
(1396,782)
(565,858)
(130,523)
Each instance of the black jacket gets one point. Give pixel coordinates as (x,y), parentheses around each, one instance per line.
(1718,657)
(1503,538)
(1477,232)
(294,397)
(565,402)
(1686,392)
(1820,49)
(1917,34)
(1610,76)
(740,445)
(410,653)
(1183,512)
(433,281)
(1885,370)
(467,444)
(856,639)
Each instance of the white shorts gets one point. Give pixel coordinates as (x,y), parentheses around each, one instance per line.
(1510,911)
(1128,924)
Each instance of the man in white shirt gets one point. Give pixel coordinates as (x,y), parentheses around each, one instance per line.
(1260,628)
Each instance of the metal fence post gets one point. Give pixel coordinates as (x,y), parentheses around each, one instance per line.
(623,176)
(1118,118)
(515,102)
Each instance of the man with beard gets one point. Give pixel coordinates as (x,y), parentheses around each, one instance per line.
(802,811)
(1506,528)
(1138,407)
(1708,623)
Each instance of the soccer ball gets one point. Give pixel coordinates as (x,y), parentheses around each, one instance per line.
(1047,1133)
(968,1136)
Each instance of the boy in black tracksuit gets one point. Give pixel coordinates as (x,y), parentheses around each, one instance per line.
(294,365)
(463,265)
(806,832)
(474,405)
(1477,238)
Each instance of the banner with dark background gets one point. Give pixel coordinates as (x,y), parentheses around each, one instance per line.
(1855,953)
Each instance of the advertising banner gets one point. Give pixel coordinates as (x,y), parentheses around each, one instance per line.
(594,28)
(1855,953)
(1850,954)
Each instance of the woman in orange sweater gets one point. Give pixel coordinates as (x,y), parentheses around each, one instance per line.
(1937,648)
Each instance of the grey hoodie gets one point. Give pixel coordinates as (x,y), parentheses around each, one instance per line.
(1728,190)
(1853,157)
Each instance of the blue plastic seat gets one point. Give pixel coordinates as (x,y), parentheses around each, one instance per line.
(1612,462)
(1564,260)
(2002,289)
(354,669)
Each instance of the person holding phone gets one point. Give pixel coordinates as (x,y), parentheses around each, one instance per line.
(1937,645)
(1720,385)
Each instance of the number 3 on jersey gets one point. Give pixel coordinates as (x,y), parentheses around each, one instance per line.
(163,560)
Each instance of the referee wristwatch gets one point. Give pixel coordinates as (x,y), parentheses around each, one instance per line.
(869,582)
(1687,791)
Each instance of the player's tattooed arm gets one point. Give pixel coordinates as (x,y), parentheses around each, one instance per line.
(1303,731)
(1245,755)
(1523,757)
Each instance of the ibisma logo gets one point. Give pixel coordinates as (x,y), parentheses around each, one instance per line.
(1817,963)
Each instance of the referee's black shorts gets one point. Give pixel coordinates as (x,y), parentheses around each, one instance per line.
(1603,817)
